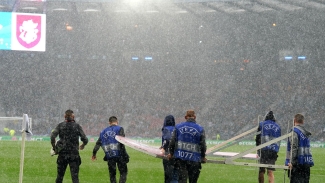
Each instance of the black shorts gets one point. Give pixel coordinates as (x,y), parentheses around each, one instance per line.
(268,157)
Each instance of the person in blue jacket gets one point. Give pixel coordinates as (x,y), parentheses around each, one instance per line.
(170,171)
(115,152)
(270,130)
(300,158)
(188,147)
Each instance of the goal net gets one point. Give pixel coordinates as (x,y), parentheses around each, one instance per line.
(12,126)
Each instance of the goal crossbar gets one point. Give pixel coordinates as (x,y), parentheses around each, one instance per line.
(22,119)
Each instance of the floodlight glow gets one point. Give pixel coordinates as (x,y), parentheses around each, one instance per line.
(69,28)
(135,58)
(91,10)
(301,57)
(288,58)
(148,58)
(133,3)
(60,9)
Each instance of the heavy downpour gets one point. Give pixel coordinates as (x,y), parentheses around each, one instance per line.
(231,61)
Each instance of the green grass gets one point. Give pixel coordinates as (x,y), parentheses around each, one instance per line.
(40,167)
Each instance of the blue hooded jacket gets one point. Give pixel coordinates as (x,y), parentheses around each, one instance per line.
(167,130)
(269,131)
(301,152)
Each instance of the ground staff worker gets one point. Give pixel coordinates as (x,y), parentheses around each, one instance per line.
(301,158)
(270,130)
(67,146)
(188,147)
(170,172)
(115,153)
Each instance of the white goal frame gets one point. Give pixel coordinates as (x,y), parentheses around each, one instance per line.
(230,157)
(18,118)
(26,126)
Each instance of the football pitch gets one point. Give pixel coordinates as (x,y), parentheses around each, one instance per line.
(40,167)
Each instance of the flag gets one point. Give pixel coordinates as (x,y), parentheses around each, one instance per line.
(26,126)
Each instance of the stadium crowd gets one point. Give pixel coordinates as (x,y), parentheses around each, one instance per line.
(229,97)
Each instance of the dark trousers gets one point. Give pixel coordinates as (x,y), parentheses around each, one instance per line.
(170,171)
(188,170)
(62,162)
(300,174)
(122,167)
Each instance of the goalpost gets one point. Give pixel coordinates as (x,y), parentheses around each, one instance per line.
(26,127)
(230,157)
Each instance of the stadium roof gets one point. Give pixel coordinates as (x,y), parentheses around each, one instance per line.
(304,15)
(150,6)
(151,24)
